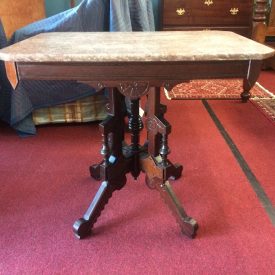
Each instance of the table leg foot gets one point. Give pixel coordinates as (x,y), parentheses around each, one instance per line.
(187,224)
(82,228)
(245,96)
(189,227)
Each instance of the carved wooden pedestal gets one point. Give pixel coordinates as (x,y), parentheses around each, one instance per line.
(120,158)
(151,158)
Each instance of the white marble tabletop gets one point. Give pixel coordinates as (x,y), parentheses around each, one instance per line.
(136,46)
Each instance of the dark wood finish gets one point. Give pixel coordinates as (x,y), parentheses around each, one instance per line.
(236,16)
(134,80)
(255,67)
(230,15)
(72,3)
(158,73)
(107,75)
(153,109)
(259,20)
(270,34)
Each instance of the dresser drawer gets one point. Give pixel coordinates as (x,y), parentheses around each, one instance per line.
(244,31)
(184,12)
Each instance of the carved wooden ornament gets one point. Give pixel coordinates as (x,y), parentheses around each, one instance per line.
(134,90)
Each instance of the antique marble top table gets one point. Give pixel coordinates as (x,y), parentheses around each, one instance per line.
(132,65)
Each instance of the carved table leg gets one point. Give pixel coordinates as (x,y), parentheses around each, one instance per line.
(158,129)
(135,126)
(187,224)
(106,128)
(158,168)
(112,131)
(82,227)
(112,170)
(253,71)
(156,178)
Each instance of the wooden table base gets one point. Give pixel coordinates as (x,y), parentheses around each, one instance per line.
(120,159)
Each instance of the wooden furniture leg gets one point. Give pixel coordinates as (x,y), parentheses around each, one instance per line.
(157,131)
(112,130)
(158,168)
(83,226)
(259,20)
(269,37)
(114,167)
(251,78)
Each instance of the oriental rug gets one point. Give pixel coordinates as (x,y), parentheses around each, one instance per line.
(214,89)
(262,98)
(267,105)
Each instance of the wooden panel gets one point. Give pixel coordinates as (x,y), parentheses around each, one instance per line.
(18,13)
(245,31)
(270,31)
(272,16)
(183,12)
(154,72)
(233,15)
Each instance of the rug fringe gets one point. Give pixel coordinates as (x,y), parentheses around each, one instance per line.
(265,90)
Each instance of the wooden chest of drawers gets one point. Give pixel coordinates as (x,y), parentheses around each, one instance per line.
(233,15)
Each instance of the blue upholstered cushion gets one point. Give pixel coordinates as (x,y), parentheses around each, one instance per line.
(3,43)
(3,38)
(5,87)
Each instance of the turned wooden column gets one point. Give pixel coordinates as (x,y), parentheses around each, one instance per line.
(259,21)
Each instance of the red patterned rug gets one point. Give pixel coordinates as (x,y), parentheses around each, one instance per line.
(267,105)
(263,99)
(214,89)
